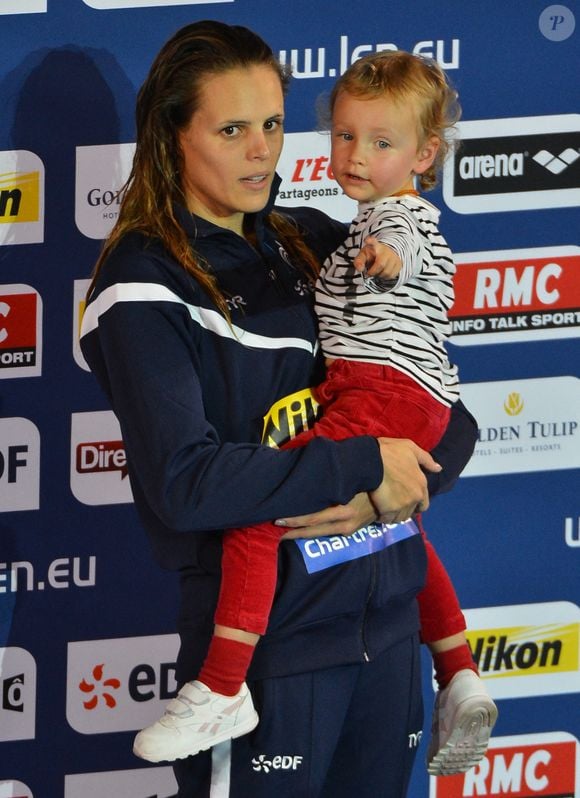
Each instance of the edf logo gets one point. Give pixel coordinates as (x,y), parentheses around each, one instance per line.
(19,465)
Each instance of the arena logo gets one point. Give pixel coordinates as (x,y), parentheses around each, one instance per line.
(98,464)
(121,684)
(20,331)
(17,694)
(21,198)
(14,789)
(79,302)
(524,425)
(101,173)
(508,296)
(116,4)
(19,465)
(527,649)
(23,7)
(514,164)
(317,63)
(151,782)
(519,766)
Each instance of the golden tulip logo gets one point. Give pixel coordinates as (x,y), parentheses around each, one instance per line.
(514,404)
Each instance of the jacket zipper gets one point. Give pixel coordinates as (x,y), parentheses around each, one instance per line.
(371,590)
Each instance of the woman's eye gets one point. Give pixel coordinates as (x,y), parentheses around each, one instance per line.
(230,130)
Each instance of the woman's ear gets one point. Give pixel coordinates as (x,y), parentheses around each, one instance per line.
(426,154)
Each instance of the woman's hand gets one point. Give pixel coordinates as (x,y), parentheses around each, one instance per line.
(403,490)
(342,519)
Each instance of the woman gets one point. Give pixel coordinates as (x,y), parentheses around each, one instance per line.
(199,319)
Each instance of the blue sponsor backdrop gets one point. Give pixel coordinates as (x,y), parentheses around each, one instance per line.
(69,73)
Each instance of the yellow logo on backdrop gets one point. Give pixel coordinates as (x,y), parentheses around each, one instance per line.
(289,417)
(514,404)
(19,197)
(525,650)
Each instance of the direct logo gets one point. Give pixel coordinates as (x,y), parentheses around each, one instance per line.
(101,173)
(17,694)
(23,7)
(79,302)
(21,198)
(516,295)
(98,464)
(20,332)
(527,649)
(514,164)
(151,782)
(19,465)
(522,766)
(121,684)
(524,425)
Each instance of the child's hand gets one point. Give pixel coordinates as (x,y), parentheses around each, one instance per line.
(377,260)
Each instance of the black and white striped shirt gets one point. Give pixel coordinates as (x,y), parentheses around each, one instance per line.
(401,323)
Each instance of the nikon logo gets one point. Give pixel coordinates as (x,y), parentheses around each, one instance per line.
(19,197)
(527,649)
(289,417)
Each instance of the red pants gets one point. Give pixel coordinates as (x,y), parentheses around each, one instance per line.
(357,399)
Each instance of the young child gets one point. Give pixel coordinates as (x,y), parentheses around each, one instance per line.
(383,325)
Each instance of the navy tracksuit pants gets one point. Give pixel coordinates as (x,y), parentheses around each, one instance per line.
(344,732)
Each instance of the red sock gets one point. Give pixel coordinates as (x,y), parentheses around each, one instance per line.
(448,663)
(226,665)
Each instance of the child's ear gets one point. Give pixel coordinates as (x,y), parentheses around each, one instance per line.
(426,154)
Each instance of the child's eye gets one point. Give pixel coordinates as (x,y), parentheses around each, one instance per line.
(382,144)
(273,124)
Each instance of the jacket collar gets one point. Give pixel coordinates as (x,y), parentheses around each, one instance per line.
(197,227)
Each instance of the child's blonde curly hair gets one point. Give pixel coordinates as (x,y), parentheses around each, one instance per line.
(407,78)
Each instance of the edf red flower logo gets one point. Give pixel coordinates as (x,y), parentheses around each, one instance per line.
(99,689)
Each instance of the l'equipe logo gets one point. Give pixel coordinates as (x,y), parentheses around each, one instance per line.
(514,164)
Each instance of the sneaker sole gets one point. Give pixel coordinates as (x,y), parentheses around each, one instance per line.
(467,743)
(183,753)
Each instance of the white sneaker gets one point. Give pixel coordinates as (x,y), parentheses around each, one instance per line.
(463,718)
(196,719)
